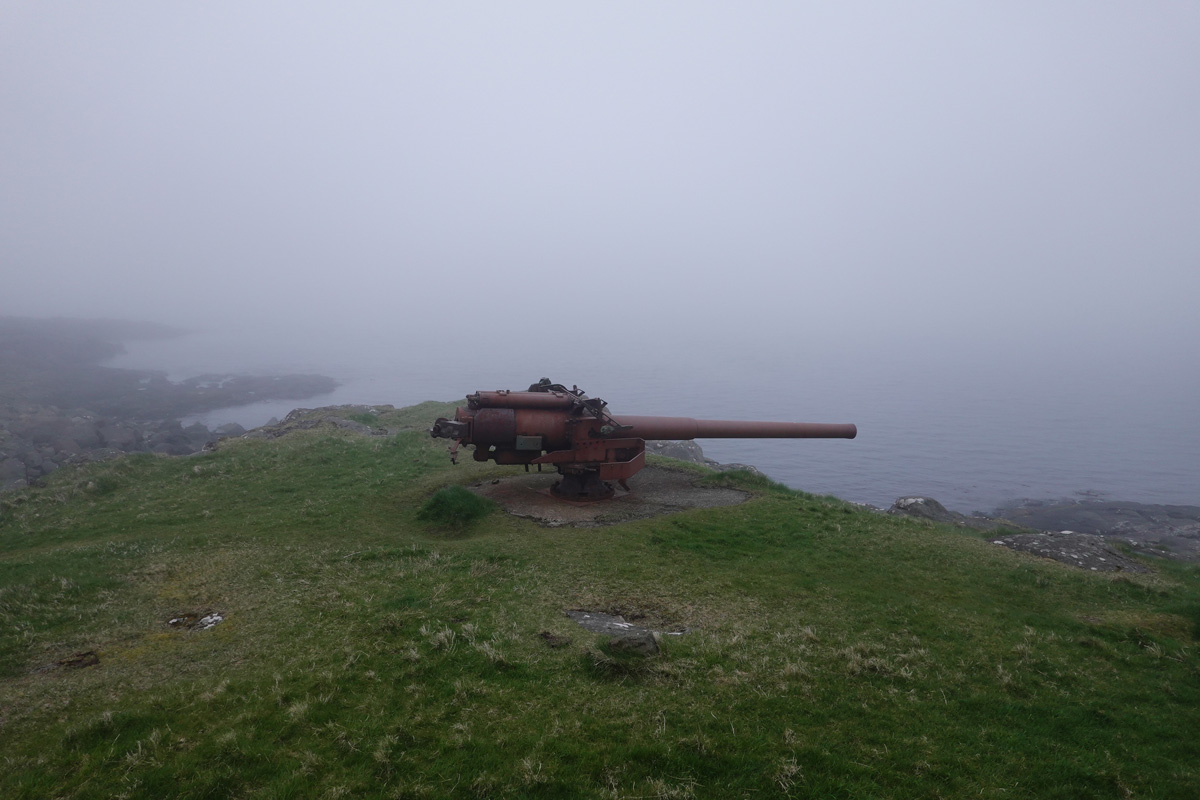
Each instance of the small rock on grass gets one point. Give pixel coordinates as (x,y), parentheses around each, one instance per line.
(640,643)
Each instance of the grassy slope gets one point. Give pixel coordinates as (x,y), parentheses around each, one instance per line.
(833,652)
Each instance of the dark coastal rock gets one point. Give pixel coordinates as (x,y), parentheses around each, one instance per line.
(68,447)
(11,470)
(1084,550)
(719,467)
(120,436)
(82,431)
(198,434)
(1086,534)
(168,433)
(57,403)
(1163,530)
(692,453)
(43,428)
(170,438)
(305,419)
(681,451)
(930,509)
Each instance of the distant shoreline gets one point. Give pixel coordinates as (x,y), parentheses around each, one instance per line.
(58,404)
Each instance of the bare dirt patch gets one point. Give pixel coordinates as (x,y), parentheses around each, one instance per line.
(553,640)
(89,658)
(656,490)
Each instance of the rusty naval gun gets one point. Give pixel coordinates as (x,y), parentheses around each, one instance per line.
(551,424)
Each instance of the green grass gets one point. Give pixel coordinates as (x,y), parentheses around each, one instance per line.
(831,652)
(455,507)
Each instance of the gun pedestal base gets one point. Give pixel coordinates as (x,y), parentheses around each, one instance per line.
(582,485)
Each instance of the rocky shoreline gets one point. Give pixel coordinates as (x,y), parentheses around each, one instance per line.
(1097,535)
(1105,534)
(58,405)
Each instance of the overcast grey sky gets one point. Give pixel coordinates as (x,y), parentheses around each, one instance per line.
(985,173)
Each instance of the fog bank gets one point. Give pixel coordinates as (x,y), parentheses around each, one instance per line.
(937,177)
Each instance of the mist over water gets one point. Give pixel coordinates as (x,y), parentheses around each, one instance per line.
(972,435)
(970,229)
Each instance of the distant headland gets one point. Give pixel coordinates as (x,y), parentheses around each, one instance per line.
(59,404)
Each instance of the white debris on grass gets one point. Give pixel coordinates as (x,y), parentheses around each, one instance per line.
(197,622)
(208,621)
(612,624)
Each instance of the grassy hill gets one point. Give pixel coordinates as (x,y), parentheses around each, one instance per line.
(364,652)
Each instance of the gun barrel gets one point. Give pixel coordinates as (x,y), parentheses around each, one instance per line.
(650,428)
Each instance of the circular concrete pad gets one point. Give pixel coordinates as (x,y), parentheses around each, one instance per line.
(655,491)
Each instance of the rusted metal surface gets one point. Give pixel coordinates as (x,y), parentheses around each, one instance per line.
(684,428)
(550,424)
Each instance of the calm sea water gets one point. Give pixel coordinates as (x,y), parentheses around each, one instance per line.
(971,434)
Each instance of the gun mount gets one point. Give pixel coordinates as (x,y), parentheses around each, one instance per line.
(551,424)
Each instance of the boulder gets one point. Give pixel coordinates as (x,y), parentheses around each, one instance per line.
(68,447)
(930,509)
(119,436)
(44,429)
(83,432)
(683,451)
(637,642)
(924,508)
(171,434)
(11,469)
(719,467)
(198,434)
